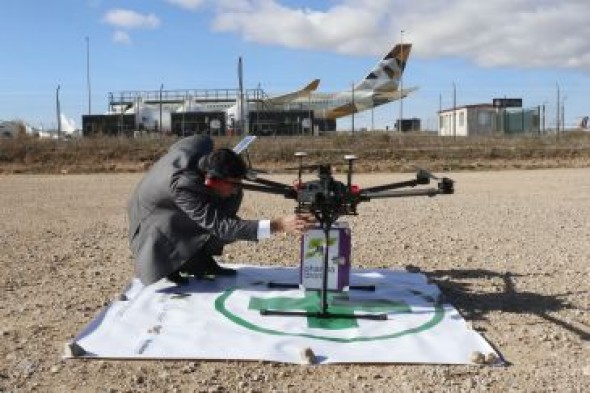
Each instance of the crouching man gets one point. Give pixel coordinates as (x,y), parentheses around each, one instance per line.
(184,211)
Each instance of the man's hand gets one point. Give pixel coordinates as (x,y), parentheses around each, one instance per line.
(295,224)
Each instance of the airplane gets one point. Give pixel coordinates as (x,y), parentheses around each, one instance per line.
(380,86)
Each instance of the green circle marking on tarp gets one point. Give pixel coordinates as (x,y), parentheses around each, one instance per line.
(220,307)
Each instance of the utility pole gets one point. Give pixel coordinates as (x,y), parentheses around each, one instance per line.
(563,113)
(557,116)
(454,111)
(353,108)
(401,84)
(543,118)
(184,111)
(438,125)
(160,128)
(244,115)
(58,110)
(309,114)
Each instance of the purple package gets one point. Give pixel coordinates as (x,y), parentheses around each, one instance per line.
(312,258)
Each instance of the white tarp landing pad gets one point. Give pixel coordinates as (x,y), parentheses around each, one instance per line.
(221,319)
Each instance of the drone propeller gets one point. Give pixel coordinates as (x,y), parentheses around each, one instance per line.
(445,185)
(422,177)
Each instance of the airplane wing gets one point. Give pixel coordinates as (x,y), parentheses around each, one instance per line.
(288,97)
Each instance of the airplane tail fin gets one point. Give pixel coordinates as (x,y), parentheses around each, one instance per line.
(387,73)
(312,86)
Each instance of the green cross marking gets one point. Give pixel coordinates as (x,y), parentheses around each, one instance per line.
(337,303)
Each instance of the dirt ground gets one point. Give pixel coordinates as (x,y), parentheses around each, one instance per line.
(510,249)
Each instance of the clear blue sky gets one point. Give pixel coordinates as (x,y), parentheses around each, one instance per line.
(516,48)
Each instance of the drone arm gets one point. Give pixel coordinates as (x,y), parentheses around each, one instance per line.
(402,193)
(270,183)
(392,186)
(286,192)
(445,186)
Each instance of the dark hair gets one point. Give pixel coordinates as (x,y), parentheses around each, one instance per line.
(223,163)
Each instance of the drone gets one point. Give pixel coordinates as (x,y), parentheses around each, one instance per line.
(327,199)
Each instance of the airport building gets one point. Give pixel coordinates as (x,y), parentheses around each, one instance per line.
(498,118)
(207,111)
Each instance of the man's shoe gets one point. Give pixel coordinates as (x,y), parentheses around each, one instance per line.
(177,279)
(211,267)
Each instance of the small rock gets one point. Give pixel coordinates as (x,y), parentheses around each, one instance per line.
(307,356)
(28,367)
(491,358)
(478,358)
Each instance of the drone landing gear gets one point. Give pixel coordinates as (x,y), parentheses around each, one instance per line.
(324,314)
(285,285)
(326,224)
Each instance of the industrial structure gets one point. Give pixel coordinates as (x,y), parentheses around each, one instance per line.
(188,112)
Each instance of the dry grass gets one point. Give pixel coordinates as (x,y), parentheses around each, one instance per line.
(377,151)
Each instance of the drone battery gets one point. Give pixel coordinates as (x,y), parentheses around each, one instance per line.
(312,258)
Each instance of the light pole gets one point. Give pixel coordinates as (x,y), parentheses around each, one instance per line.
(557,116)
(58,111)
(439,121)
(88,75)
(161,129)
(311,125)
(543,116)
(353,108)
(184,111)
(563,113)
(401,83)
(454,111)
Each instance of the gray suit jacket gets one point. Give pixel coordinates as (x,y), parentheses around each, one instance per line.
(172,214)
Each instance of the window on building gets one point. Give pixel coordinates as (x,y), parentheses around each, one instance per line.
(461,119)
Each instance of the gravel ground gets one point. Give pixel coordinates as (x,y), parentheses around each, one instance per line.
(511,250)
